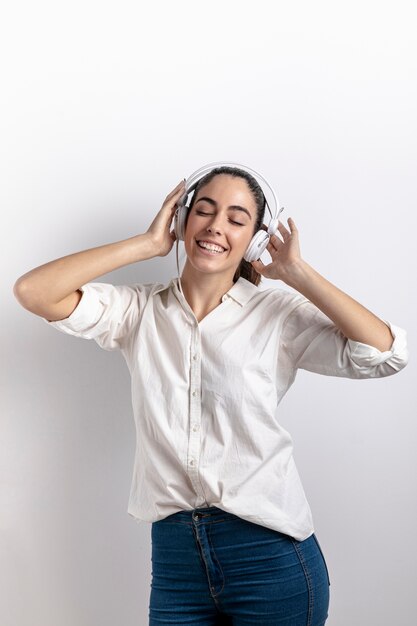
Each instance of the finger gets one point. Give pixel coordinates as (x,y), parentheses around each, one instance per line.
(292,225)
(178,189)
(283,230)
(258,266)
(275,241)
(173,202)
(180,184)
(271,247)
(261,268)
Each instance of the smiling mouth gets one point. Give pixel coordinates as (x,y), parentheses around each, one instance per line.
(210,248)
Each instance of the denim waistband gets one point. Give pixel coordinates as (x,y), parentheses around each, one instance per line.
(201,513)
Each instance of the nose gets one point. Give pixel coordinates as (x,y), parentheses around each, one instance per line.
(212,229)
(215,224)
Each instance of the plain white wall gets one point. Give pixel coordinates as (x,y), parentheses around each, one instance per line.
(105,107)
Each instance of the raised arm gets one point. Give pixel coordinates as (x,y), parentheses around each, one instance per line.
(53,290)
(354,320)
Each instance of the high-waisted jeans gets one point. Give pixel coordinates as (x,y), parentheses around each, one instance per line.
(210,567)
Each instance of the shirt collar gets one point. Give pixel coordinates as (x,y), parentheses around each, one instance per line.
(242,290)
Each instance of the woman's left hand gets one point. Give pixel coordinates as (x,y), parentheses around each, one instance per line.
(285,254)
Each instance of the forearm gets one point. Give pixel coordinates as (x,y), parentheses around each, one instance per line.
(50,283)
(354,320)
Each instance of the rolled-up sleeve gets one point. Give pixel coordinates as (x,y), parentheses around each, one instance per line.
(366,356)
(311,341)
(106,313)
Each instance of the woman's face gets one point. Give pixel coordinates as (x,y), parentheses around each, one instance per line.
(224,212)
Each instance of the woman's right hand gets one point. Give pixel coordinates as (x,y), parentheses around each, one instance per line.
(159,230)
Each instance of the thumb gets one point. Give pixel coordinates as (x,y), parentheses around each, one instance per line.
(258,266)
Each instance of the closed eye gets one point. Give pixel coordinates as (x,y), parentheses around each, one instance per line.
(233,221)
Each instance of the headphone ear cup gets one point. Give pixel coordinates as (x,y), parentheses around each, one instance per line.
(256,246)
(179,222)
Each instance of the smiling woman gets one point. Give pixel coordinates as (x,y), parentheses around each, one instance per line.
(233,195)
(211,357)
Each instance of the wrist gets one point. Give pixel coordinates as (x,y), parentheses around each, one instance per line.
(296,274)
(153,245)
(143,247)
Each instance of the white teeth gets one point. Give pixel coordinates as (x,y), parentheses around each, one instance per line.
(210,246)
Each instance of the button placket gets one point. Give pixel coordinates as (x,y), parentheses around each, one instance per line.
(195,411)
(193,452)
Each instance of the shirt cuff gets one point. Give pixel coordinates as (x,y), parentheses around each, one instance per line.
(365,355)
(82,315)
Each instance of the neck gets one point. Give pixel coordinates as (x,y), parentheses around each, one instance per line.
(203,291)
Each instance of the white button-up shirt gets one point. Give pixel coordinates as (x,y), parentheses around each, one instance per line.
(206,394)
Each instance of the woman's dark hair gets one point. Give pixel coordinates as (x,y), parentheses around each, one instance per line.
(245,269)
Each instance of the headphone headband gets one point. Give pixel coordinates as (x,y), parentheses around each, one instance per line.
(202,171)
(260,239)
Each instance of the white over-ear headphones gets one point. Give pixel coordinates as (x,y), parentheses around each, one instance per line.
(260,239)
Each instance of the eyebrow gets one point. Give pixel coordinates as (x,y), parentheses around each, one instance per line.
(234,207)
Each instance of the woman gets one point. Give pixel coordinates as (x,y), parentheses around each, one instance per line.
(211,356)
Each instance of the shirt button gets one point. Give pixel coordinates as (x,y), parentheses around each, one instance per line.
(194,357)
(194,392)
(192,462)
(195,428)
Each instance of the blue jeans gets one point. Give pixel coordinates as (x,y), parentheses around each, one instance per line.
(210,567)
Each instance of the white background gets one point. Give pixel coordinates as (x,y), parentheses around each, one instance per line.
(105,106)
